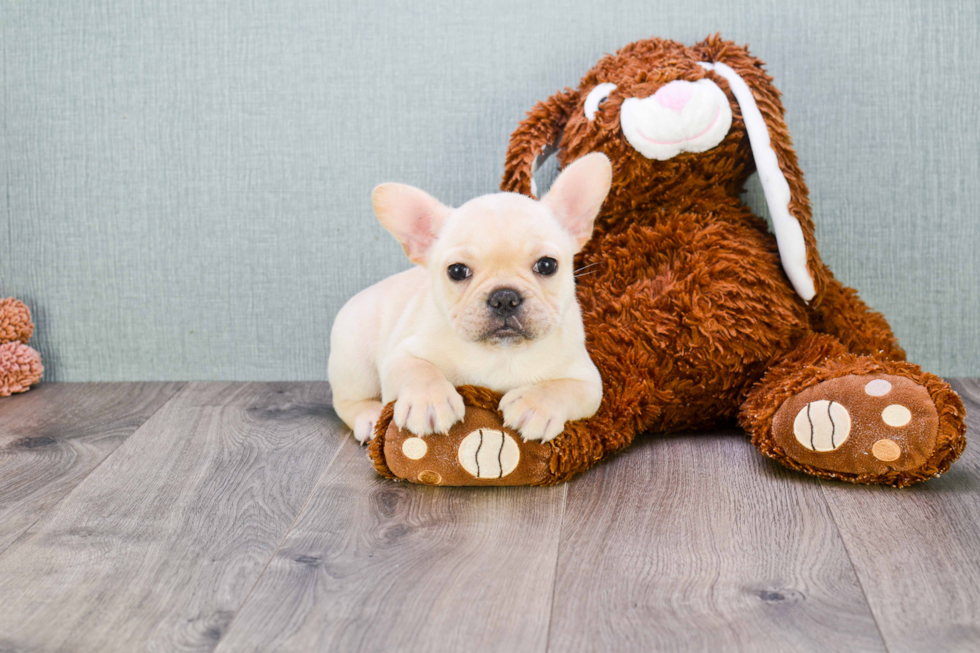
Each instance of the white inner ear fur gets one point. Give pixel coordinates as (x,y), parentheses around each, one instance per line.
(411,215)
(789,234)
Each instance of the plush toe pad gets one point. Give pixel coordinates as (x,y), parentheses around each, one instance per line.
(477,451)
(859,424)
(822,425)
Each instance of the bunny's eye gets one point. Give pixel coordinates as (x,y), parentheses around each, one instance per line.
(597,96)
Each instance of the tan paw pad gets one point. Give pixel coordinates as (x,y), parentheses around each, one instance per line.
(429,477)
(886,450)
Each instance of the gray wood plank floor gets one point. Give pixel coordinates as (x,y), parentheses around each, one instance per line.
(243,517)
(54,436)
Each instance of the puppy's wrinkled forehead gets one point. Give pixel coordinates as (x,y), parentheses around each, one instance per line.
(503,224)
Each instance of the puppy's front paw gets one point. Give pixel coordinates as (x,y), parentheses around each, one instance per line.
(428,408)
(534,411)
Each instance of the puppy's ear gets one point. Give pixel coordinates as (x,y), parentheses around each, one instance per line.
(534,140)
(775,159)
(577,195)
(411,215)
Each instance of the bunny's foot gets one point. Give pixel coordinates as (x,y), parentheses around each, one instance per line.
(855,418)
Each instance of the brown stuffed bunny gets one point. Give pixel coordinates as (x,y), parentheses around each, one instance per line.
(20,366)
(695,314)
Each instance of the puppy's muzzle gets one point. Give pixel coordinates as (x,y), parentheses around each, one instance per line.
(504,302)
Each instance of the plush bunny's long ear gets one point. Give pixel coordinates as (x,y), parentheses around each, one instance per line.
(535,140)
(775,160)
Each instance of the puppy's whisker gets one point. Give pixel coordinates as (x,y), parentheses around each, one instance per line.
(585,274)
(586,267)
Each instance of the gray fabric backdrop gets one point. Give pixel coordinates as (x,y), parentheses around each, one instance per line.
(187,183)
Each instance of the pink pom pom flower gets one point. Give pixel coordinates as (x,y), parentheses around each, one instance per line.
(20,368)
(15,321)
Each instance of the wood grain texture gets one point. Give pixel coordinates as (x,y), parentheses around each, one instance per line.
(53,436)
(243,517)
(373,565)
(697,543)
(157,549)
(917,550)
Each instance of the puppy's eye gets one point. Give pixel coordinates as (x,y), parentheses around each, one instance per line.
(458,271)
(546,266)
(597,96)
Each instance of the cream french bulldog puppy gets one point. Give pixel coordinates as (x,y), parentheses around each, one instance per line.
(491,302)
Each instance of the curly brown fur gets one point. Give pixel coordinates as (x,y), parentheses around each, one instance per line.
(376,447)
(845,315)
(638,70)
(685,304)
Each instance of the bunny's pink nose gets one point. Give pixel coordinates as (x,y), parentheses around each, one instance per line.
(674,96)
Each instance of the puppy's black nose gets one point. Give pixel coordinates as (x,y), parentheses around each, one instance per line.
(504,301)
